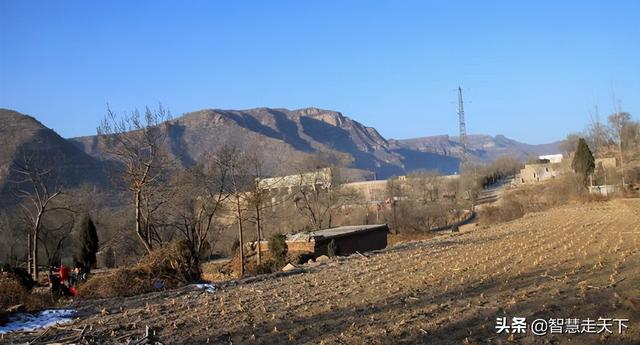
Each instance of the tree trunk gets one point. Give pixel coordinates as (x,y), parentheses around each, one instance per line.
(395,218)
(29,252)
(34,239)
(240,239)
(145,241)
(35,257)
(621,159)
(258,235)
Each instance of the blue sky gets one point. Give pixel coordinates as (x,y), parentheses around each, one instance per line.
(532,69)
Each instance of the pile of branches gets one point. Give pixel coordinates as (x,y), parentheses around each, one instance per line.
(165,268)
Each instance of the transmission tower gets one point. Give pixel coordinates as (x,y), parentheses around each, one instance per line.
(463,128)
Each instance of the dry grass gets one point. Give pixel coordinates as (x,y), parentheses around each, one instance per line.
(393,239)
(164,268)
(216,271)
(580,260)
(14,294)
(516,202)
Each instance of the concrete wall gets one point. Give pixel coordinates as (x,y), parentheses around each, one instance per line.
(604,190)
(370,190)
(607,163)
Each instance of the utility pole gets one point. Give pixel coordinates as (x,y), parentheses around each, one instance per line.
(463,127)
(464,161)
(618,110)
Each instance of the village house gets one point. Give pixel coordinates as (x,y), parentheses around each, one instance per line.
(606,163)
(537,172)
(346,240)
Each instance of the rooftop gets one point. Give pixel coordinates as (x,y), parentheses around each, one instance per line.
(334,232)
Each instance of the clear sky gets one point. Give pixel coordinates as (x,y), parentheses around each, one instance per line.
(533,70)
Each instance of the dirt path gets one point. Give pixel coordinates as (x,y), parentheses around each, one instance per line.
(578,261)
(493,193)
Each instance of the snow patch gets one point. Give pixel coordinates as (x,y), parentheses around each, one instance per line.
(43,319)
(210,288)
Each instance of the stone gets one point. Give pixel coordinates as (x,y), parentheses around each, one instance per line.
(288,267)
(322,258)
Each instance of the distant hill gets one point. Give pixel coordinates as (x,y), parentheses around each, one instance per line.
(282,134)
(481,148)
(290,134)
(23,137)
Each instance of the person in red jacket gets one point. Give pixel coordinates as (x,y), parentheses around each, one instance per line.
(64,274)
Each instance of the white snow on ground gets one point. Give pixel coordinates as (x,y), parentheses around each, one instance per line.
(43,319)
(210,288)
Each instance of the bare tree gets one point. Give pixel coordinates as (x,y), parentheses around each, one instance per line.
(38,189)
(631,136)
(597,132)
(199,201)
(424,186)
(469,184)
(138,142)
(56,230)
(618,121)
(570,143)
(319,194)
(395,192)
(11,230)
(257,198)
(238,184)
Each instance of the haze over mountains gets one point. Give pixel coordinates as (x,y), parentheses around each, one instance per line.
(280,133)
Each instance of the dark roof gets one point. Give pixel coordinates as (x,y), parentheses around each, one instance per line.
(335,232)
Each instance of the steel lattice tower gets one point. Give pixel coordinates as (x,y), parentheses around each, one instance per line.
(463,128)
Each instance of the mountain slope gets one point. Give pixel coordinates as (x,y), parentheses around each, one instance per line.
(283,135)
(24,138)
(291,134)
(481,148)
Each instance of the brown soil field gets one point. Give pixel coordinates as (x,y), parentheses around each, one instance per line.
(576,261)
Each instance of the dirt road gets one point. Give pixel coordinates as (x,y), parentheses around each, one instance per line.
(577,261)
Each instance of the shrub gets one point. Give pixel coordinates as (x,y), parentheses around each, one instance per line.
(14,293)
(509,209)
(583,162)
(278,246)
(539,197)
(87,243)
(110,258)
(20,275)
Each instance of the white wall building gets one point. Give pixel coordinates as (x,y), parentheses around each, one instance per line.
(557,158)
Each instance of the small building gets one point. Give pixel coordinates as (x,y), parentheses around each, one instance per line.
(538,172)
(606,163)
(347,240)
(371,191)
(557,158)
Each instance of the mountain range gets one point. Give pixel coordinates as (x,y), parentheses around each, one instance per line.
(279,132)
